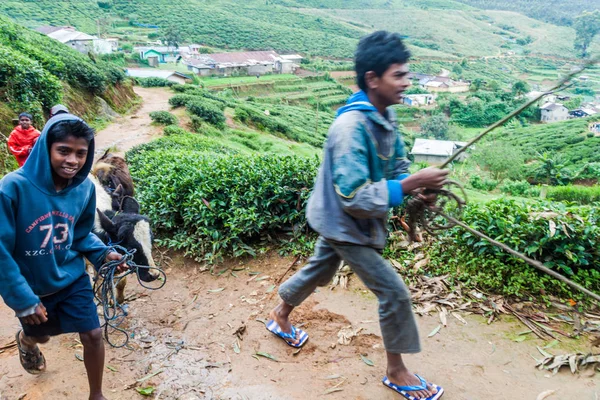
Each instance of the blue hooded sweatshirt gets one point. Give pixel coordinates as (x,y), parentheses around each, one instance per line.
(45,234)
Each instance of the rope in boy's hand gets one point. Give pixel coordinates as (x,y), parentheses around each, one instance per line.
(105,291)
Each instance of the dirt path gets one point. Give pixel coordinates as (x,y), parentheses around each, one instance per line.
(186,330)
(137,128)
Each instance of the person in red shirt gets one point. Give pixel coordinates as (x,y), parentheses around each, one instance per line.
(22,138)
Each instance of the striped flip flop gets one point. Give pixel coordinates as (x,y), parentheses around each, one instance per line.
(302,336)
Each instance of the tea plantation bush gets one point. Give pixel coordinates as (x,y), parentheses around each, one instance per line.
(565,239)
(519,188)
(154,82)
(209,112)
(574,193)
(163,117)
(173,130)
(215,204)
(184,141)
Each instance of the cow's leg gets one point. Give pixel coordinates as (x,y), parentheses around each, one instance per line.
(121,290)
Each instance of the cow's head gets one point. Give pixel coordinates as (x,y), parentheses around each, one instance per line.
(132,231)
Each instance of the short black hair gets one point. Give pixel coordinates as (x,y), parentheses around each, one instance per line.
(74,127)
(377,52)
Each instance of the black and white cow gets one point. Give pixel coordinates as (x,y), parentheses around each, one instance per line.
(128,229)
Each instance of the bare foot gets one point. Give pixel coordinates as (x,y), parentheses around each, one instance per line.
(279,315)
(99,396)
(407,378)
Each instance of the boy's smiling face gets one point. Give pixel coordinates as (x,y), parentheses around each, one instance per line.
(67,157)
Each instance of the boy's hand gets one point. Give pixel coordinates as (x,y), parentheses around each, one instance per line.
(114,256)
(38,317)
(428,178)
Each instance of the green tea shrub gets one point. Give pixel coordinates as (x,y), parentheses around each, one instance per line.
(477,182)
(207,111)
(163,117)
(154,82)
(173,130)
(575,194)
(566,239)
(215,204)
(519,188)
(184,141)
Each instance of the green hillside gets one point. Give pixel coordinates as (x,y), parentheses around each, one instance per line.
(37,72)
(328,28)
(558,12)
(571,139)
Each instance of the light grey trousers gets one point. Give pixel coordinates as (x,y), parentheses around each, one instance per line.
(396,318)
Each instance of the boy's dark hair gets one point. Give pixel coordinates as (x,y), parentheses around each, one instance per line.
(63,129)
(376,52)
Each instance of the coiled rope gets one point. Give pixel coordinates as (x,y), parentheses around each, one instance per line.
(105,284)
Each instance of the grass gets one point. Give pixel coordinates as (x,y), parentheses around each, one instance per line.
(239,80)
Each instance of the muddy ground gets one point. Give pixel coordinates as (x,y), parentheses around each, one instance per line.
(186,331)
(183,342)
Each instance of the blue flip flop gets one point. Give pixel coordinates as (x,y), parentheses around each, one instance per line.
(404,389)
(302,336)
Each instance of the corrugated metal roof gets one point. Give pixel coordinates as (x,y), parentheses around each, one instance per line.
(47,29)
(551,106)
(432,147)
(68,35)
(244,57)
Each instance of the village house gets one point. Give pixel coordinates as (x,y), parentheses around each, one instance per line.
(173,76)
(595,128)
(443,84)
(582,112)
(243,63)
(158,54)
(418,100)
(435,152)
(553,112)
(82,42)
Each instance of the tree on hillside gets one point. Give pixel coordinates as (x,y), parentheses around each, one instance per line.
(436,126)
(520,88)
(171,36)
(587,25)
(501,159)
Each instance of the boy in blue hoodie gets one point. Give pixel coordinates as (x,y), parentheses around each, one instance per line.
(47,209)
(363,175)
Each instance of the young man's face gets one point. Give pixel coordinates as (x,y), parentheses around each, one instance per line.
(68,156)
(390,86)
(25,122)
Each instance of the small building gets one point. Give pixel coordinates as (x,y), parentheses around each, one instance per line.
(242,63)
(553,112)
(82,42)
(418,100)
(549,98)
(172,76)
(295,58)
(114,43)
(582,113)
(595,128)
(435,152)
(160,54)
(444,84)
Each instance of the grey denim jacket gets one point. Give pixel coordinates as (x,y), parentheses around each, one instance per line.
(350,200)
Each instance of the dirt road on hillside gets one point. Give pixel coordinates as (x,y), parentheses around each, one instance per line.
(185,332)
(183,344)
(130,130)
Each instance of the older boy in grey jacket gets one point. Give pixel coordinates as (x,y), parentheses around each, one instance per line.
(364,173)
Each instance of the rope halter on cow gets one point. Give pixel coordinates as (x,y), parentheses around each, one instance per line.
(105,291)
